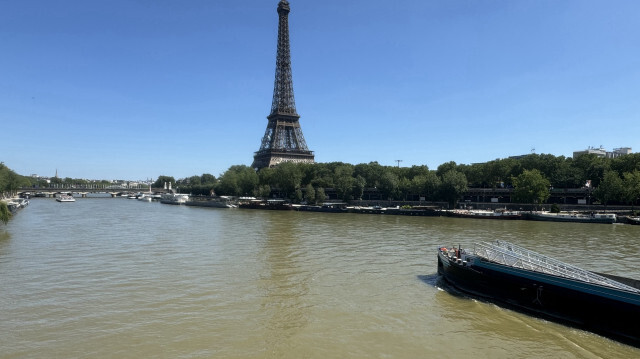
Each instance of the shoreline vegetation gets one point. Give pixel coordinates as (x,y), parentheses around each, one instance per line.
(538,180)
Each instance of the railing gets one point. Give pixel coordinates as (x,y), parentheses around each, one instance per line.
(514,256)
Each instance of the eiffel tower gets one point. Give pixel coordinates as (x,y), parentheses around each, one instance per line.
(283,140)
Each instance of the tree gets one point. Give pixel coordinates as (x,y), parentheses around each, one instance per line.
(371,172)
(160,182)
(591,167)
(359,184)
(531,187)
(207,178)
(343,181)
(453,185)
(499,172)
(388,185)
(287,178)
(432,186)
(446,167)
(310,194)
(320,195)
(404,188)
(626,163)
(417,184)
(247,179)
(238,180)
(631,185)
(414,171)
(610,188)
(228,184)
(263,191)
(194,181)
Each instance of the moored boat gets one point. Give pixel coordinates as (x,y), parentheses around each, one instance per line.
(65,198)
(16,204)
(174,198)
(572,217)
(504,273)
(272,204)
(633,220)
(485,214)
(327,207)
(210,201)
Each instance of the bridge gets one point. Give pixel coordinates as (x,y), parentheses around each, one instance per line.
(84,190)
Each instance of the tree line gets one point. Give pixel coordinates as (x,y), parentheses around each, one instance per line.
(10,182)
(614,180)
(531,177)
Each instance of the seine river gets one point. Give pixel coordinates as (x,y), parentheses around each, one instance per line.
(118,278)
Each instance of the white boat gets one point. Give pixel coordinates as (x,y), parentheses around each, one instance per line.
(485,214)
(174,198)
(16,204)
(65,198)
(209,201)
(144,197)
(147,197)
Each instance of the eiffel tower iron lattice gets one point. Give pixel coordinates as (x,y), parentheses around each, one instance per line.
(283,140)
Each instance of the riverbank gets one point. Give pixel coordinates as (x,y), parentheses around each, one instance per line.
(499,214)
(14,204)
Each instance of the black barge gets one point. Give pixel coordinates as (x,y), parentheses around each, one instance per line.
(524,280)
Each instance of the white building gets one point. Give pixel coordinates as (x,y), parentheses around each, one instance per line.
(601,152)
(617,152)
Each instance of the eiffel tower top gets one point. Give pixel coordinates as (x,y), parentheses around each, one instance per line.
(283,6)
(283,100)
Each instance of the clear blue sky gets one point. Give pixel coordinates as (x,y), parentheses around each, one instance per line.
(141,88)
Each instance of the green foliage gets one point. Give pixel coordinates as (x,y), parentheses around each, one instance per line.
(591,167)
(287,178)
(610,188)
(359,184)
(343,181)
(446,167)
(626,164)
(320,195)
(10,181)
(531,175)
(207,178)
(453,185)
(631,185)
(263,191)
(310,194)
(555,208)
(203,185)
(5,214)
(160,182)
(239,180)
(371,172)
(531,187)
(388,185)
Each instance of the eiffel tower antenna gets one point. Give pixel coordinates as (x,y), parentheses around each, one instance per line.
(283,140)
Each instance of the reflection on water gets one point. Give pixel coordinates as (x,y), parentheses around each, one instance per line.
(284,283)
(112,278)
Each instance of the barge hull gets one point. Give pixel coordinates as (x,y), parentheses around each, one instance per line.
(605,311)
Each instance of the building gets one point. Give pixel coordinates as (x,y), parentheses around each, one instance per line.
(601,152)
(617,152)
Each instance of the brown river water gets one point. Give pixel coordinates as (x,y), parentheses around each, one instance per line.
(118,278)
